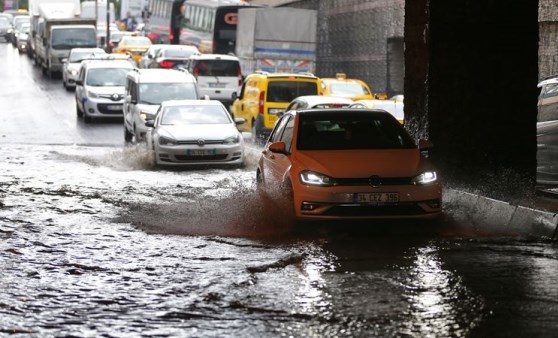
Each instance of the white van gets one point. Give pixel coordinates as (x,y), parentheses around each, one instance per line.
(218,76)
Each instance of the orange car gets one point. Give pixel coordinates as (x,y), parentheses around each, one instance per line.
(344,164)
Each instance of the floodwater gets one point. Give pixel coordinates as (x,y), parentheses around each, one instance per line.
(94,241)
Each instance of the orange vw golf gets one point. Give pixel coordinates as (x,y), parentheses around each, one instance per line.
(358,163)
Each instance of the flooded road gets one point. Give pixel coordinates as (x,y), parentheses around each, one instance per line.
(95,241)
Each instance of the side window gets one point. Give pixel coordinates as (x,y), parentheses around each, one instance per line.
(278,130)
(287,136)
(82,74)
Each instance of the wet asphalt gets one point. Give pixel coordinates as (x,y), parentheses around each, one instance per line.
(96,242)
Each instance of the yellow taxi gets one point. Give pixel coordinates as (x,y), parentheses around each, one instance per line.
(263,96)
(135,46)
(348,164)
(341,86)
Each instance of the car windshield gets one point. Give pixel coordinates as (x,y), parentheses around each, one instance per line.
(195,114)
(347,130)
(73,37)
(217,68)
(4,23)
(348,89)
(136,42)
(155,93)
(286,91)
(105,77)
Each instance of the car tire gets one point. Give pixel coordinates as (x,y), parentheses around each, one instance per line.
(128,137)
(87,118)
(79,112)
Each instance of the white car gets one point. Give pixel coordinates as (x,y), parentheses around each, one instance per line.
(394,106)
(195,132)
(100,88)
(71,64)
(146,89)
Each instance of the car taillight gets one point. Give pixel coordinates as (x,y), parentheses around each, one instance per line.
(166,64)
(261,102)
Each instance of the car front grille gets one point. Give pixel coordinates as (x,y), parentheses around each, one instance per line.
(220,157)
(406,209)
(103,108)
(204,142)
(378,181)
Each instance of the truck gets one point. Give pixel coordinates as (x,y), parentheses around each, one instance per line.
(98,10)
(35,15)
(59,30)
(276,39)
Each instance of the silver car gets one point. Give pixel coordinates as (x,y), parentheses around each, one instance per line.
(195,132)
(70,68)
(100,88)
(547,134)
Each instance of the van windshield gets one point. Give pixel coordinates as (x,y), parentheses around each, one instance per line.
(109,77)
(216,68)
(69,38)
(286,91)
(155,93)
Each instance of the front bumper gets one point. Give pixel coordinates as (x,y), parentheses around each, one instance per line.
(101,107)
(214,154)
(340,202)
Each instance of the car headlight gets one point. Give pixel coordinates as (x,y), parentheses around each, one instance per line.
(73,72)
(145,116)
(314,178)
(165,141)
(92,95)
(232,140)
(425,178)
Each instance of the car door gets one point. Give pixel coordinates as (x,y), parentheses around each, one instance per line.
(276,166)
(80,90)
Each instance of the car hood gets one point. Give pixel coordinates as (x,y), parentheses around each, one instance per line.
(363,163)
(196,132)
(108,90)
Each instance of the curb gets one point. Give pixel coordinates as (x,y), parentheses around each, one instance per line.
(497,215)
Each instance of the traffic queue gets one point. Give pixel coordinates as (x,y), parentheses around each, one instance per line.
(329,145)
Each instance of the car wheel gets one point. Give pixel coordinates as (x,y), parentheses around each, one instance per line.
(127,135)
(79,112)
(87,118)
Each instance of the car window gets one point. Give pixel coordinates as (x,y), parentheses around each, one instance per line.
(351,131)
(278,130)
(548,112)
(100,77)
(348,89)
(287,136)
(155,93)
(195,114)
(178,52)
(286,91)
(216,68)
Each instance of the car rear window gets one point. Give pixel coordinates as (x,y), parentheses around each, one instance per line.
(348,89)
(339,131)
(286,91)
(179,52)
(155,93)
(216,68)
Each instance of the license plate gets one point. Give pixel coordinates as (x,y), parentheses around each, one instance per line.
(271,120)
(217,85)
(376,197)
(201,152)
(114,107)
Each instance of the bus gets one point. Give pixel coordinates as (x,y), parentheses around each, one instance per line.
(209,25)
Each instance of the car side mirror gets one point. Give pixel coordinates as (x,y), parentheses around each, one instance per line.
(278,147)
(206,97)
(64,60)
(239,120)
(79,83)
(150,123)
(234,96)
(425,145)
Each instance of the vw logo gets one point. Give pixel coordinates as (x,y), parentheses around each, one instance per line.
(201,142)
(374,181)
(115,97)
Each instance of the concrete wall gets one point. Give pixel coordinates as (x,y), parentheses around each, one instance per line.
(353,38)
(548,38)
(471,87)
